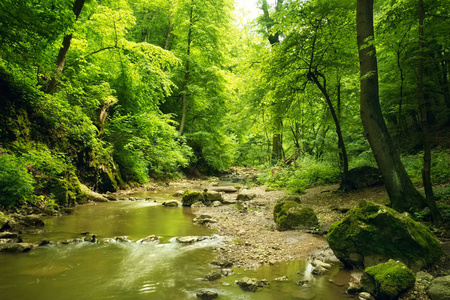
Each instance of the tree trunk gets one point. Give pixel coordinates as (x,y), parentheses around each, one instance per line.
(186,71)
(402,194)
(323,88)
(62,55)
(426,171)
(169,28)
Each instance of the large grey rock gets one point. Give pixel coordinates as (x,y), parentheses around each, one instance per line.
(204,219)
(213,275)
(440,288)
(149,239)
(363,177)
(371,234)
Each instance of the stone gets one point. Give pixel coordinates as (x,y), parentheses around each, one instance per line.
(387,280)
(319,270)
(190,239)
(8,235)
(363,177)
(353,288)
(222,263)
(365,296)
(291,215)
(440,288)
(249,284)
(294,198)
(206,295)
(170,203)
(191,197)
(226,272)
(320,263)
(149,239)
(44,242)
(122,239)
(29,220)
(372,233)
(245,197)
(213,276)
(204,219)
(216,204)
(211,196)
(16,247)
(4,220)
(225,189)
(282,278)
(178,193)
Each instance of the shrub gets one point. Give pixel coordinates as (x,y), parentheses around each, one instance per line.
(16,183)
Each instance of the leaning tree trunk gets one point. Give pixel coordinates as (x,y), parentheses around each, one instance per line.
(402,194)
(341,145)
(426,171)
(61,60)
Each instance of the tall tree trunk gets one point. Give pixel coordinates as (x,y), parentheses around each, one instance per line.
(62,55)
(402,194)
(277,141)
(186,71)
(426,171)
(323,88)
(169,28)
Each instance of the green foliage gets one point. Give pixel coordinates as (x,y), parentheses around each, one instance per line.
(307,173)
(147,145)
(16,183)
(440,166)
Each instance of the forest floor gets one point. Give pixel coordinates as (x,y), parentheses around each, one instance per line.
(254,240)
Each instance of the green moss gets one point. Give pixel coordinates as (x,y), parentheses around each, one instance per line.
(389,279)
(375,231)
(190,197)
(291,215)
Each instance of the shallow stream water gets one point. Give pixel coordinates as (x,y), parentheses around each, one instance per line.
(164,270)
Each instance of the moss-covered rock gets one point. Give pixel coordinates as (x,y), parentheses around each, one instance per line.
(291,215)
(387,280)
(211,196)
(3,220)
(440,288)
(91,195)
(190,197)
(371,233)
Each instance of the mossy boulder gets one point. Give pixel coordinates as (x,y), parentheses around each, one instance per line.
(363,177)
(3,220)
(291,215)
(190,197)
(371,234)
(212,196)
(387,280)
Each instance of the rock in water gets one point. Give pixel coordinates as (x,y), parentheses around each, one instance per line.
(440,288)
(170,203)
(206,295)
(249,284)
(16,247)
(388,280)
(371,234)
(191,197)
(291,215)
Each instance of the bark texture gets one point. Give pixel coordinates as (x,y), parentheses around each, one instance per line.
(402,194)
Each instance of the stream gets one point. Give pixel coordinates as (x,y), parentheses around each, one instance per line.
(157,270)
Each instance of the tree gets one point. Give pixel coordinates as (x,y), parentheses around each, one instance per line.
(402,194)
(426,171)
